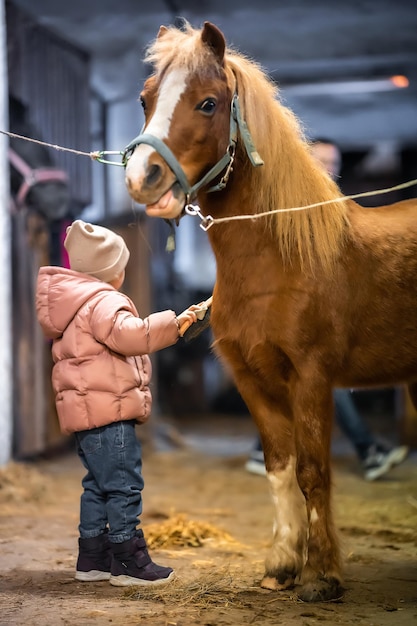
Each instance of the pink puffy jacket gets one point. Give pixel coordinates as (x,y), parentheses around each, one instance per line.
(100,349)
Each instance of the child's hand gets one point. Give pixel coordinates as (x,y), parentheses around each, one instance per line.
(187,318)
(194,313)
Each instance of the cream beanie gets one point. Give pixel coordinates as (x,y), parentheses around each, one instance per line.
(95,250)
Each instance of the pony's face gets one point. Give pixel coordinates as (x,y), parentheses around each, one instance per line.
(189,110)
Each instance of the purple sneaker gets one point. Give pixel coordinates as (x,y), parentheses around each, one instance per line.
(132,565)
(94,558)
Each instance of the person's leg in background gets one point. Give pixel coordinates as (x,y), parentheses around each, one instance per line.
(376,458)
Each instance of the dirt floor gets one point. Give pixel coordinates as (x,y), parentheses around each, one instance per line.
(210,520)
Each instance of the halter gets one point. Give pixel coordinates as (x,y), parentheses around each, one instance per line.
(33,176)
(226,162)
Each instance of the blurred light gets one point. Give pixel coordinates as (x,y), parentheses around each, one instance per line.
(399,81)
(348,86)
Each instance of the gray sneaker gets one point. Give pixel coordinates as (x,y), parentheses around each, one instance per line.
(381,460)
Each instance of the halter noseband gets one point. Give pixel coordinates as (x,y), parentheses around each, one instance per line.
(190,192)
(33,176)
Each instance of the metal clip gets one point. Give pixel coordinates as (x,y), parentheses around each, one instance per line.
(206,223)
(193,209)
(99,156)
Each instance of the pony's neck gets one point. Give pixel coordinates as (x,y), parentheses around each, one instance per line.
(305,238)
(290,177)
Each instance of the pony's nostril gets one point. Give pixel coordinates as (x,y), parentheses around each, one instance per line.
(153,175)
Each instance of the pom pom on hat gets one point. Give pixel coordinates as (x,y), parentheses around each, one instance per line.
(95,250)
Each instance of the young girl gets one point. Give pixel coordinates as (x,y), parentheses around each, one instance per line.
(101,379)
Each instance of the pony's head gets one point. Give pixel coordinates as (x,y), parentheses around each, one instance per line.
(187,106)
(212,116)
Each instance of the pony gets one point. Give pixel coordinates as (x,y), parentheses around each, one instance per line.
(304,300)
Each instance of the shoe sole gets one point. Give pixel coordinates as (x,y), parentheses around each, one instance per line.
(92,576)
(128,581)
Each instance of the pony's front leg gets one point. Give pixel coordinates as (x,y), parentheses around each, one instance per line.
(287,555)
(313,416)
(288,552)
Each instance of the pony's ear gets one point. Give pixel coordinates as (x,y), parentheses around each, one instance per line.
(213,37)
(162,31)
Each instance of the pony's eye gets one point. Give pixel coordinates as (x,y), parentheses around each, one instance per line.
(143,103)
(207,106)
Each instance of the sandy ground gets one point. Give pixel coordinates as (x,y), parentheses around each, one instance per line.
(218,555)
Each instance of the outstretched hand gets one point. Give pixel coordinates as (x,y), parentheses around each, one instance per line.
(187,318)
(194,313)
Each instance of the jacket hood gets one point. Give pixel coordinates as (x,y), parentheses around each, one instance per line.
(60,293)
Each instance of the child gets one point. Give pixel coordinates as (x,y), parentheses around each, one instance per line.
(101,378)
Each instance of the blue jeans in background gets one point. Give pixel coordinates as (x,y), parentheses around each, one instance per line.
(113,484)
(351,423)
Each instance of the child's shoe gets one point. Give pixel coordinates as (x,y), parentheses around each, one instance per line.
(94,558)
(132,565)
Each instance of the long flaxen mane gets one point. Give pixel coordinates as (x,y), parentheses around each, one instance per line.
(290,176)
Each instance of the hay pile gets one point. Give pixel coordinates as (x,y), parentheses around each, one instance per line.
(180,532)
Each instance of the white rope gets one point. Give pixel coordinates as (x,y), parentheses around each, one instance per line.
(217,220)
(209,221)
(93,155)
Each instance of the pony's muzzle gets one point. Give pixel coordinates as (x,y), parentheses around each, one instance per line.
(147,177)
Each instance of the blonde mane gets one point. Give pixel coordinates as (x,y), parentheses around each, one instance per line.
(290,176)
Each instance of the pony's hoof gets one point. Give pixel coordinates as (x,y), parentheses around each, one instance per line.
(321,590)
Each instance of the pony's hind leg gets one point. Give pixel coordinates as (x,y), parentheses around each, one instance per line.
(321,577)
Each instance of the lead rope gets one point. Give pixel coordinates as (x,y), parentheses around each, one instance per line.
(95,156)
(207,221)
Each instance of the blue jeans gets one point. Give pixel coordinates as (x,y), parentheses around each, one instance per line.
(351,423)
(113,484)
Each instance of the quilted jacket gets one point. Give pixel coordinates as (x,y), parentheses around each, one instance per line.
(100,348)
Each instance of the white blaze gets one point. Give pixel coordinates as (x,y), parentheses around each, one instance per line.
(171,89)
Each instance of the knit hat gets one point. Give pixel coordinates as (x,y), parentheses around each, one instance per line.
(95,250)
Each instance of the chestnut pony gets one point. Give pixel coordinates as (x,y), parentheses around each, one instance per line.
(304,301)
